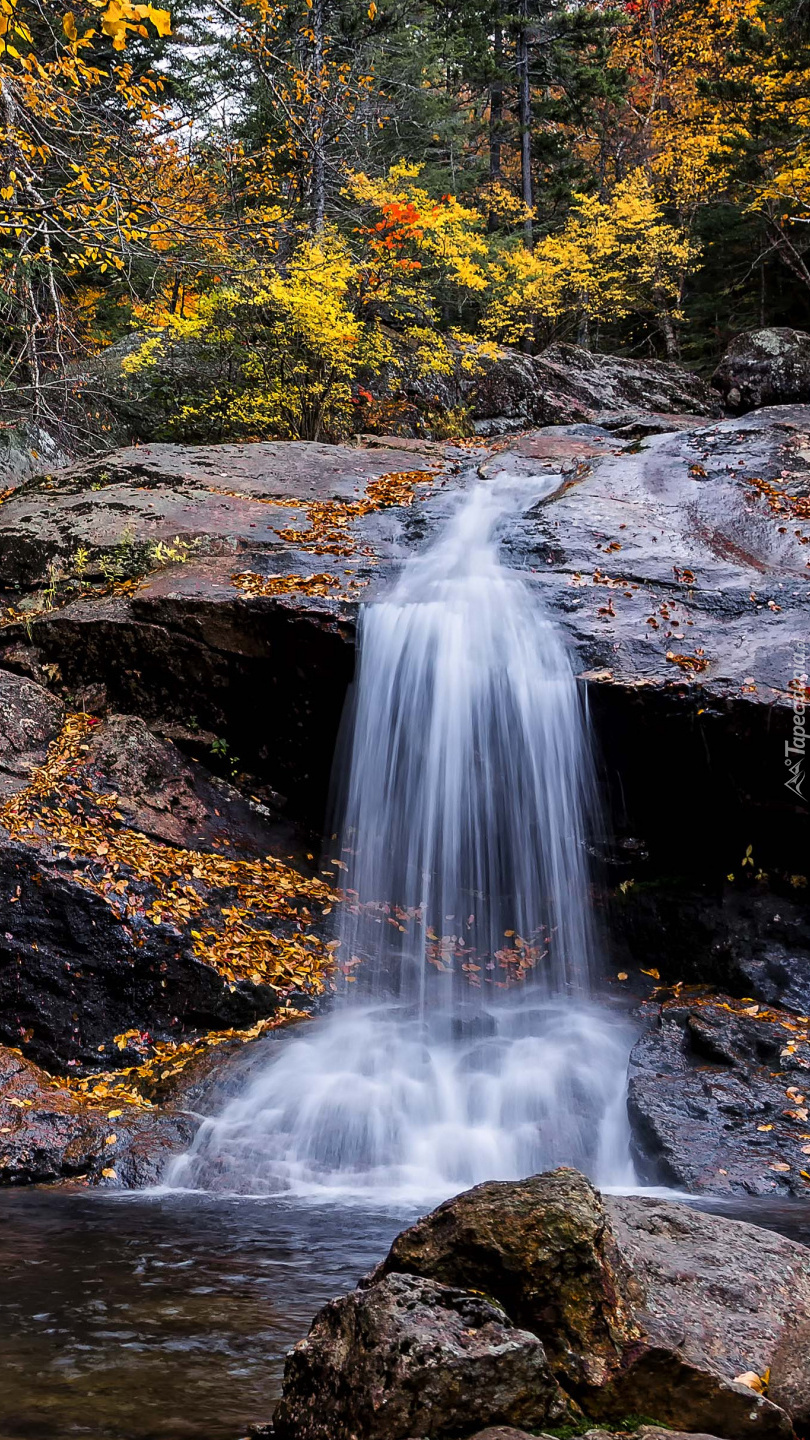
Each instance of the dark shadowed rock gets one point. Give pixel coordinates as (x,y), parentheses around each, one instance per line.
(49,1133)
(717,1098)
(409,1357)
(94,943)
(543,1249)
(659,1382)
(790,1371)
(565,385)
(765,367)
(29,719)
(161,794)
(746,941)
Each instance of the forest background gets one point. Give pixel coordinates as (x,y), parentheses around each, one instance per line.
(270,211)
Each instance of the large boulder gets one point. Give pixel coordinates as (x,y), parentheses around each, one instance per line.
(718,1097)
(765,367)
(542,1247)
(728,1298)
(643,1308)
(410,1357)
(565,385)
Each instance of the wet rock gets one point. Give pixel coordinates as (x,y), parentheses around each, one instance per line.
(410,1357)
(675,564)
(543,1249)
(161,794)
(49,1133)
(724,1295)
(74,974)
(194,499)
(643,1306)
(565,385)
(29,719)
(765,367)
(101,926)
(718,1098)
(748,942)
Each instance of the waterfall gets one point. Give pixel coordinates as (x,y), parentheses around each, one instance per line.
(466,1044)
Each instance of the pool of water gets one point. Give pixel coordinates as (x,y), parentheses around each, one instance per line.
(168,1316)
(163,1317)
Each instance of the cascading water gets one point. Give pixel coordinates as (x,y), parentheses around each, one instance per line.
(467,1046)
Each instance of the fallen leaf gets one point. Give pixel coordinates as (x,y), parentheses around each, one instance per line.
(751,1380)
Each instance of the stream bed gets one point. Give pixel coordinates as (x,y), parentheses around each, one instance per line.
(168,1316)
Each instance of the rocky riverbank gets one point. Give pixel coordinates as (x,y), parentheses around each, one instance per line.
(540,1305)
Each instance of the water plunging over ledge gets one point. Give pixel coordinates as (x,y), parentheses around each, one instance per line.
(467,1045)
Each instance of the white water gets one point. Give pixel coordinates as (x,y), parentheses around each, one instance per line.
(467,1045)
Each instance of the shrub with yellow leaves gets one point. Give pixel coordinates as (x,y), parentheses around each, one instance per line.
(612,258)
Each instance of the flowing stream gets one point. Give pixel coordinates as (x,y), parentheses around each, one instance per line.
(466,1044)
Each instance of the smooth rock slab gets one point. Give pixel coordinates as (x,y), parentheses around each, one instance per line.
(410,1357)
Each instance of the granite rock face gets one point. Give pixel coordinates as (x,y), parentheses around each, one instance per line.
(566,385)
(765,367)
(718,1097)
(677,566)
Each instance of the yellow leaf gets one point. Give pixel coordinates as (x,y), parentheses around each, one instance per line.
(751,1380)
(69,26)
(653,973)
(108,1174)
(111,1139)
(161,19)
(622,975)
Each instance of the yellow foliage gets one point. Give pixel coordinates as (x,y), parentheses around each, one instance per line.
(612,258)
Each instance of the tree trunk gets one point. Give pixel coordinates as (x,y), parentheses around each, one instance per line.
(496,118)
(525,120)
(317,119)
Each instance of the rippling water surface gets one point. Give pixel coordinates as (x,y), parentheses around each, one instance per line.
(163,1318)
(168,1318)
